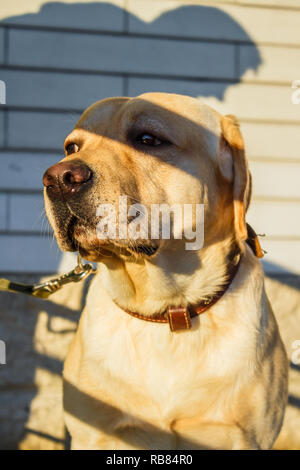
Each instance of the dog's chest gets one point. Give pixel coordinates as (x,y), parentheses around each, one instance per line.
(146,370)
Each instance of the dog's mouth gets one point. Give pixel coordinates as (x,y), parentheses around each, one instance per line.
(70,233)
(148,250)
(145,248)
(79,236)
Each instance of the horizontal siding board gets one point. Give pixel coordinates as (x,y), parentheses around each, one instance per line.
(21,171)
(39,129)
(293,4)
(267,25)
(3,211)
(102,53)
(278,180)
(85,14)
(275,219)
(246,101)
(259,102)
(279,64)
(28,253)
(226,21)
(282,256)
(137,86)
(58,90)
(27,213)
(183,18)
(272,141)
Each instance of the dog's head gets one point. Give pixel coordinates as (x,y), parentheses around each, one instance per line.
(154,149)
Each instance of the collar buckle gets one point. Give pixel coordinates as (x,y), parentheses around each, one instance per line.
(179,318)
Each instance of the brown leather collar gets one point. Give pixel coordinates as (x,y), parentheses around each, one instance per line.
(179,318)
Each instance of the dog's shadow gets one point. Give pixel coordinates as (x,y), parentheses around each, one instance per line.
(147,433)
(214,36)
(216,28)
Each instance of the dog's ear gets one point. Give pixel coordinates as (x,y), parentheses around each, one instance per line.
(234,168)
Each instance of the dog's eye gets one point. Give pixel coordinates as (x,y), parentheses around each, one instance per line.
(149,139)
(71,148)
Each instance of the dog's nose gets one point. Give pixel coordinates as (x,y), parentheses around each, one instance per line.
(64,180)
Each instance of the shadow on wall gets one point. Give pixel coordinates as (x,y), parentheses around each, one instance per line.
(128,48)
(201,45)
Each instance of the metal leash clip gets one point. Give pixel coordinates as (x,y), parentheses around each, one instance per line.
(44,290)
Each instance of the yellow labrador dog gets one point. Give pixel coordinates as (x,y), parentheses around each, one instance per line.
(145,370)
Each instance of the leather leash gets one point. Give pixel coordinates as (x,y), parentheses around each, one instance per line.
(44,290)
